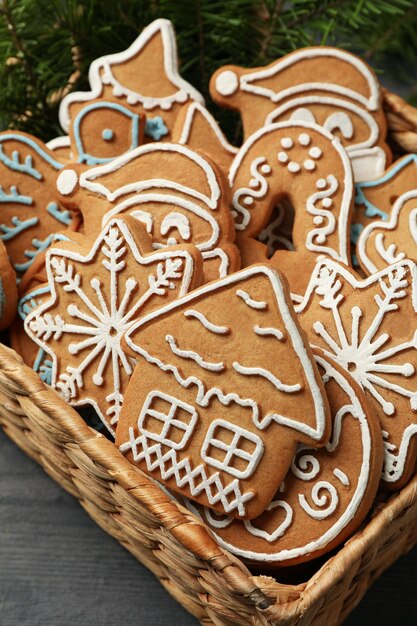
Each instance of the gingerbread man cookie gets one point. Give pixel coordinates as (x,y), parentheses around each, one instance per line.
(306,165)
(196,127)
(326,494)
(224,388)
(370,328)
(30,213)
(96,294)
(143,79)
(174,191)
(324,85)
(61,148)
(384,242)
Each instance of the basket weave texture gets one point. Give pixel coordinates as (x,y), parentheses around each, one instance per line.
(209,582)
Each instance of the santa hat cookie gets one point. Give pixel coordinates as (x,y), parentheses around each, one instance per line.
(370,328)
(224,389)
(328,86)
(326,494)
(96,294)
(174,191)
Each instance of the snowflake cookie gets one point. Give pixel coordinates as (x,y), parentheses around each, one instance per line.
(30,213)
(224,389)
(324,85)
(305,164)
(370,328)
(326,494)
(174,191)
(96,294)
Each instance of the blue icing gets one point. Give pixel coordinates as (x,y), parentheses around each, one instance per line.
(43,366)
(28,302)
(355,261)
(39,246)
(8,232)
(85,157)
(355,231)
(370,209)
(26,167)
(14,196)
(2,299)
(155,128)
(61,215)
(107,134)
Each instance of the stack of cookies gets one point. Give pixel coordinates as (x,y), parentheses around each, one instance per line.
(242,320)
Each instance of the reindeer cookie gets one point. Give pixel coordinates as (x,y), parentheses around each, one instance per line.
(302,163)
(143,79)
(196,128)
(96,294)
(224,388)
(370,328)
(30,213)
(61,148)
(327,86)
(326,494)
(175,192)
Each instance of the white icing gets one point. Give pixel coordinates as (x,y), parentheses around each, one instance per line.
(59,142)
(67,182)
(320,499)
(281,528)
(203,395)
(254,304)
(194,356)
(268,332)
(232,449)
(260,371)
(344,479)
(100,72)
(213,328)
(227,82)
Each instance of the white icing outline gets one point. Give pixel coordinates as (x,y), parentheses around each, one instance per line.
(59,142)
(315,433)
(356,411)
(371,103)
(381,225)
(104,63)
(189,121)
(213,328)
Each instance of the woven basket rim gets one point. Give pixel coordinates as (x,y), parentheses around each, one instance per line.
(274,600)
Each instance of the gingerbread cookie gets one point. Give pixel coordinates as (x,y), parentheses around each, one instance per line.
(224,388)
(143,79)
(8,289)
(385,242)
(324,85)
(326,494)
(196,127)
(96,294)
(370,328)
(61,148)
(374,199)
(306,165)
(175,192)
(30,213)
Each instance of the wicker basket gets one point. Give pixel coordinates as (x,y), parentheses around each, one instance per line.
(209,582)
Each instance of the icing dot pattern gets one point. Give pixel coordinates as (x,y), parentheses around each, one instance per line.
(293,166)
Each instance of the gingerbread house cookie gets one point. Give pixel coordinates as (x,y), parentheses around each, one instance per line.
(224,389)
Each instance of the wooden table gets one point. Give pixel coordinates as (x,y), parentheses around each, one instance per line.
(57,568)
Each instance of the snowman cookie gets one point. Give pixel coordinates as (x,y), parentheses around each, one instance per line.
(96,293)
(224,388)
(326,494)
(323,85)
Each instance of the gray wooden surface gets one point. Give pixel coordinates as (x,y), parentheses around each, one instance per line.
(57,568)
